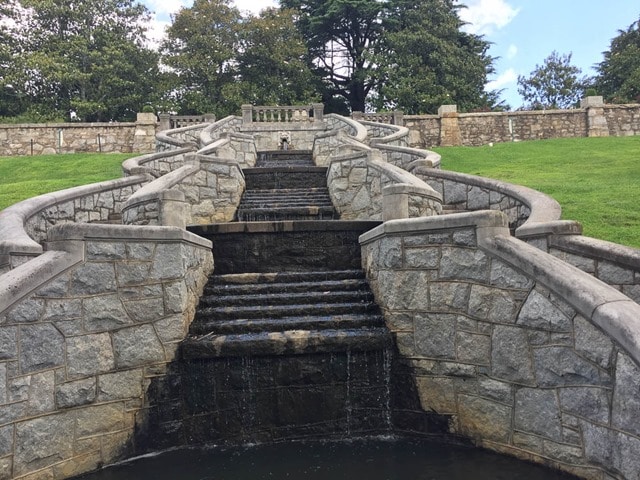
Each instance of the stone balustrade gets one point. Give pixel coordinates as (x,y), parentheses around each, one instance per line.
(529,356)
(283,114)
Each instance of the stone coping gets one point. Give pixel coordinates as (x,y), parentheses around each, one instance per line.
(68,125)
(598,249)
(400,132)
(28,277)
(161,185)
(166,136)
(612,311)
(433,158)
(292,169)
(359,128)
(545,211)
(285,226)
(205,136)
(135,165)
(84,231)
(212,147)
(13,218)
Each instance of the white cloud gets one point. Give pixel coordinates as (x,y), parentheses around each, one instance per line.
(505,79)
(512,51)
(485,16)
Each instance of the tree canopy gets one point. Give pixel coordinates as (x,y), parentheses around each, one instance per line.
(85,57)
(554,84)
(618,77)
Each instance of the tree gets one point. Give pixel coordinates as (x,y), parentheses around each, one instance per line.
(428,61)
(555,84)
(618,77)
(271,63)
(86,56)
(200,51)
(342,37)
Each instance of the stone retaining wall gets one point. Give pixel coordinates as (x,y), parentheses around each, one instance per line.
(37,139)
(78,353)
(530,356)
(473,129)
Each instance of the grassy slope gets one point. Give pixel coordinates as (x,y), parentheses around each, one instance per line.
(25,177)
(595,180)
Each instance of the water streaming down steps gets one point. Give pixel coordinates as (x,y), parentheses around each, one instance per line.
(287,341)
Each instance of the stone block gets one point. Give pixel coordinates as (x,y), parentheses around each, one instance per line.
(510,355)
(145,310)
(626,395)
(76,393)
(435,335)
(539,312)
(41,347)
(493,305)
(62,310)
(93,278)
(422,258)
(136,346)
(120,385)
(561,366)
(105,251)
(390,251)
(404,290)
(538,412)
(26,311)
(8,343)
(473,348)
(482,419)
(464,264)
(99,419)
(614,274)
(171,329)
(449,296)
(42,442)
(586,402)
(495,390)
(437,394)
(503,276)
(104,312)
(168,262)
(89,355)
(41,394)
(132,273)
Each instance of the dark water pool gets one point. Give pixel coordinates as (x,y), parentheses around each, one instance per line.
(369,459)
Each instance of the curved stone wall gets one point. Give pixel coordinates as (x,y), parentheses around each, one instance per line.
(531,356)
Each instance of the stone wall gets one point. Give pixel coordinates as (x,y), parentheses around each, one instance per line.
(473,129)
(79,351)
(508,341)
(37,139)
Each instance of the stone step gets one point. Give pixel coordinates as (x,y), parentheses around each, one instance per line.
(285,158)
(257,288)
(268,298)
(273,311)
(329,322)
(285,178)
(244,214)
(288,342)
(286,277)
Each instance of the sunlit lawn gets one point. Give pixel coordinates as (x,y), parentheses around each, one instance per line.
(25,177)
(595,180)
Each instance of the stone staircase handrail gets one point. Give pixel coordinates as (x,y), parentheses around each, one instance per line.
(137,165)
(16,240)
(212,132)
(179,137)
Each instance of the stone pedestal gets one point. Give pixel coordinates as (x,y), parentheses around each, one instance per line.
(449,127)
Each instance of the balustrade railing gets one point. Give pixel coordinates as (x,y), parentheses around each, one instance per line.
(285,114)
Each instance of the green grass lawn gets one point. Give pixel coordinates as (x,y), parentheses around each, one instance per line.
(25,177)
(595,180)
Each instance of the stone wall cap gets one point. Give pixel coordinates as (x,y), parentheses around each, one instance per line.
(284,226)
(479,219)
(596,248)
(84,231)
(557,227)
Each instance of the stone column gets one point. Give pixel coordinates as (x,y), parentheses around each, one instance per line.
(144,138)
(318,112)
(165,122)
(357,116)
(398,118)
(449,127)
(209,117)
(247,114)
(173,209)
(596,121)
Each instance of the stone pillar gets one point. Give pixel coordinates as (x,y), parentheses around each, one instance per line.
(395,201)
(596,121)
(247,114)
(318,112)
(209,117)
(398,118)
(144,138)
(173,209)
(449,127)
(165,122)
(357,116)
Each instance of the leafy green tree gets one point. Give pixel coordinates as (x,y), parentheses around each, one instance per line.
(84,56)
(343,37)
(271,62)
(200,51)
(429,61)
(554,84)
(618,77)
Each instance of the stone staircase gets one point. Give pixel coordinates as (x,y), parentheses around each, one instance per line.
(286,313)
(285,185)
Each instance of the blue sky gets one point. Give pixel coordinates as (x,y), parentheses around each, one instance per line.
(522,32)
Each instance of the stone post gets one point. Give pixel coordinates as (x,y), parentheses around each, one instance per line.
(596,121)
(395,202)
(173,209)
(247,114)
(209,117)
(144,138)
(398,118)
(165,122)
(449,127)
(318,112)
(357,116)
